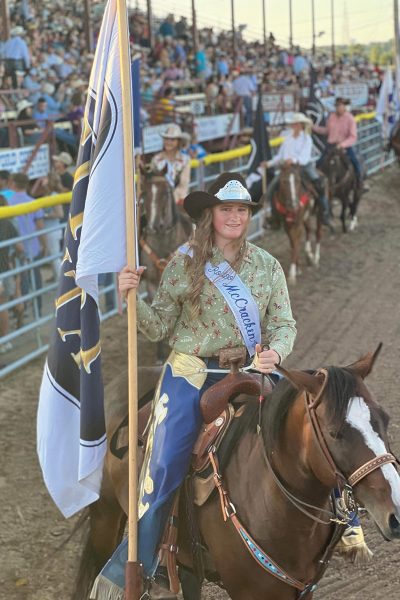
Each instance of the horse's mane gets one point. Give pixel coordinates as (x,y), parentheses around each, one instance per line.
(341,386)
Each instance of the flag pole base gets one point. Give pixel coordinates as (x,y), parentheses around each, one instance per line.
(133,581)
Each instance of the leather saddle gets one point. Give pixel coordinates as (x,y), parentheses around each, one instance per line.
(214,405)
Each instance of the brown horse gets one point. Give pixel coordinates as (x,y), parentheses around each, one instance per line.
(342,184)
(164,226)
(292,202)
(164,229)
(316,430)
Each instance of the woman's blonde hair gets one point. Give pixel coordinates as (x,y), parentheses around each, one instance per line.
(202,243)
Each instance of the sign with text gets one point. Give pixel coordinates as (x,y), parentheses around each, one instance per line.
(357,93)
(276,102)
(14,160)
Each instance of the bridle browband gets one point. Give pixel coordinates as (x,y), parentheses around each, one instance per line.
(340,517)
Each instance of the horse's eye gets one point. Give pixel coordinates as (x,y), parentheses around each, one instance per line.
(336,435)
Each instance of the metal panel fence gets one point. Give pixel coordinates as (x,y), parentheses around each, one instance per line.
(23,340)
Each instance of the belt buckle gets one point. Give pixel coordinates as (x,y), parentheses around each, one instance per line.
(227,356)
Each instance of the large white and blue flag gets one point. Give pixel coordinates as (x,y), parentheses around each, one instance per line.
(71,435)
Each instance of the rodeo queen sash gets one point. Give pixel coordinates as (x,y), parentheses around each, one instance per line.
(237,296)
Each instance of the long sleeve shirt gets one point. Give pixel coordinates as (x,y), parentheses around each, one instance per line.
(297,149)
(16,48)
(169,315)
(178,172)
(340,129)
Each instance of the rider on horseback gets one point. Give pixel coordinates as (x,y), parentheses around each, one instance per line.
(177,163)
(341,131)
(218,295)
(296,149)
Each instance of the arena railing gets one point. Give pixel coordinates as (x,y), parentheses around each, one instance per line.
(31,339)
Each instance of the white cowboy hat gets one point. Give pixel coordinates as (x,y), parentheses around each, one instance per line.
(22,105)
(298,117)
(64,158)
(173,132)
(18,30)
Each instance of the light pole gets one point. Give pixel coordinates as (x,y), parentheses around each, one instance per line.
(233,32)
(150,23)
(313,27)
(290,25)
(333,30)
(265,30)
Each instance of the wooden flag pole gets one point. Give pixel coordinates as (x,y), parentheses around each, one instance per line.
(133,577)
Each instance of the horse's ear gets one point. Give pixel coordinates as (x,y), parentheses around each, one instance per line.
(303,380)
(363,367)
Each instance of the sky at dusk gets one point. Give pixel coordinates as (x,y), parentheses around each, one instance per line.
(355,20)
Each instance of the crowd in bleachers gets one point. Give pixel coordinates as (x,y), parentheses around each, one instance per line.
(44,72)
(45,67)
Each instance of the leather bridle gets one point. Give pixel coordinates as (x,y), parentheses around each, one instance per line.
(361,472)
(344,510)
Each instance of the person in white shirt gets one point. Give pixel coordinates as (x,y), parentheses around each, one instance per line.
(296,149)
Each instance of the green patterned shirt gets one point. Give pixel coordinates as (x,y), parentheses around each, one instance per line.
(215,328)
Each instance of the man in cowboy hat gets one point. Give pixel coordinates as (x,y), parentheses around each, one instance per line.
(341,131)
(16,54)
(296,149)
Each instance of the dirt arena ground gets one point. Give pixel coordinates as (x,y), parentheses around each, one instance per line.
(343,310)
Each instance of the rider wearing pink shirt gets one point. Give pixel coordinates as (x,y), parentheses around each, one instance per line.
(341,130)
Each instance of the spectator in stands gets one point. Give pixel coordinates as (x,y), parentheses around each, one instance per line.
(179,54)
(76,115)
(167,27)
(62,162)
(40,112)
(222,65)
(202,67)
(36,246)
(164,111)
(16,54)
(5,189)
(31,131)
(192,147)
(8,284)
(176,163)
(245,88)
(182,28)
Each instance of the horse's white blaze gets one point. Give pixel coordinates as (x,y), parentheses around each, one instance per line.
(359,417)
(292,188)
(153,206)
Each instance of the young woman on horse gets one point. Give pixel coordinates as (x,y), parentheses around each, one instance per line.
(218,293)
(296,149)
(175,161)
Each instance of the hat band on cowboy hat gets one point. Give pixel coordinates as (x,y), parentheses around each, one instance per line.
(233,191)
(228,188)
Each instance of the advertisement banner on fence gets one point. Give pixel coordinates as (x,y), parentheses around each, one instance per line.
(14,160)
(357,93)
(206,128)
